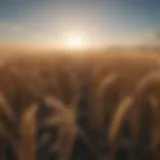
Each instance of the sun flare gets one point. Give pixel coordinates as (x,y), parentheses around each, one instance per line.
(75,42)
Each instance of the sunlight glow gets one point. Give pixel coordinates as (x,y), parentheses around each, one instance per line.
(75,41)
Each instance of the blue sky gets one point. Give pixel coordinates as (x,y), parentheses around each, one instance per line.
(101,21)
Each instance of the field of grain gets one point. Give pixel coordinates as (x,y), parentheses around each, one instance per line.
(80,106)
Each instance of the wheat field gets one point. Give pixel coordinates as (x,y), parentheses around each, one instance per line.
(96,106)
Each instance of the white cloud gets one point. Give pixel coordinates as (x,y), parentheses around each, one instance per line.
(14,32)
(11,27)
(152,37)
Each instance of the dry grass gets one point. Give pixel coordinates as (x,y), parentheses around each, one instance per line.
(81,95)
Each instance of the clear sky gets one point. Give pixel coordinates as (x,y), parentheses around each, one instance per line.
(100,21)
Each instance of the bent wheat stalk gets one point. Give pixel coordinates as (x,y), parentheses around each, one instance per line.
(65,119)
(28,134)
(117,122)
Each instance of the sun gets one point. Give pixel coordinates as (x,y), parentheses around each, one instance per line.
(75,41)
